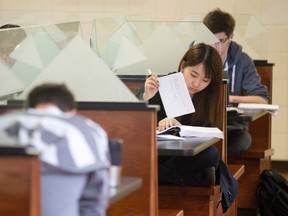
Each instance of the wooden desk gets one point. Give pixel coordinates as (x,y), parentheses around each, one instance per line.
(127,186)
(188,147)
(247,116)
(20,181)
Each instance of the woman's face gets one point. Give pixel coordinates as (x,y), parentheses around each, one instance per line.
(195,78)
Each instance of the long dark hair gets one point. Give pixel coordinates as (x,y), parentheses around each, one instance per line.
(208,102)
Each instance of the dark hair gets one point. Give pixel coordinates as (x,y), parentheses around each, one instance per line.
(6,26)
(57,94)
(219,21)
(207,102)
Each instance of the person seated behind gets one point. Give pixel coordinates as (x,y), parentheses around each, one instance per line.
(11,36)
(202,69)
(244,81)
(74,152)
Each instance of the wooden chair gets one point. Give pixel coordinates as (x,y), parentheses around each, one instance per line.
(171,212)
(258,157)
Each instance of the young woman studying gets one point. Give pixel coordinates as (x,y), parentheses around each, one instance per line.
(202,68)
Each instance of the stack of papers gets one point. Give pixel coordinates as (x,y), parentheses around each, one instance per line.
(189,131)
(234,109)
(270,108)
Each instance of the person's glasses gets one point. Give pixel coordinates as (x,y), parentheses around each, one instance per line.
(223,40)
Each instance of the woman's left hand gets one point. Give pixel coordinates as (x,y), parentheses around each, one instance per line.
(167,122)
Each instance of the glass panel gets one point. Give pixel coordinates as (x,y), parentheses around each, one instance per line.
(130,47)
(252,35)
(56,53)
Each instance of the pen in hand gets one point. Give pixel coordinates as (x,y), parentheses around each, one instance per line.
(149,71)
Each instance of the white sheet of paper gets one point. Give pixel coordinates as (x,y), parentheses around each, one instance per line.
(175,96)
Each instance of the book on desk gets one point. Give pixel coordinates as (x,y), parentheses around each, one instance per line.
(183,131)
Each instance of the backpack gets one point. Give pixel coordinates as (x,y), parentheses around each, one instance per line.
(272,194)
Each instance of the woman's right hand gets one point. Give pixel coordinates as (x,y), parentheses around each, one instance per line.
(151,87)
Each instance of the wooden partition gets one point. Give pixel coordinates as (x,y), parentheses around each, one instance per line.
(136,125)
(20,185)
(260,129)
(258,156)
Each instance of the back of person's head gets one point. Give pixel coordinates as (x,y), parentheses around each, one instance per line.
(11,36)
(7,26)
(219,21)
(13,33)
(50,93)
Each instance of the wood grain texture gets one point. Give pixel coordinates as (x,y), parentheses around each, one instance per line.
(137,129)
(20,186)
(258,156)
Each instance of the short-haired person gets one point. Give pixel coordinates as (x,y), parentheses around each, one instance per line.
(74,151)
(201,66)
(244,81)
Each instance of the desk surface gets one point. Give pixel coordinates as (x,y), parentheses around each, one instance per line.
(187,147)
(127,186)
(246,116)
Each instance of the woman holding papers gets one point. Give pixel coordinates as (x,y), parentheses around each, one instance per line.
(202,72)
(202,69)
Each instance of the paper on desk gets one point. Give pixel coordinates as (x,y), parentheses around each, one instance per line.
(270,108)
(175,96)
(231,109)
(168,137)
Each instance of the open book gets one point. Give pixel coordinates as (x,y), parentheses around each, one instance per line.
(183,131)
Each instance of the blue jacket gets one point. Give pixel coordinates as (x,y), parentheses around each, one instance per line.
(243,76)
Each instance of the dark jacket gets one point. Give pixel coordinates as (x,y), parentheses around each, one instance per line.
(243,76)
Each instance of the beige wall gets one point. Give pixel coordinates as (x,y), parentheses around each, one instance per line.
(272,14)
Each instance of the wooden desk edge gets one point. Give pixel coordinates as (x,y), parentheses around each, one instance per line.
(188,152)
(191,190)
(128,185)
(237,170)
